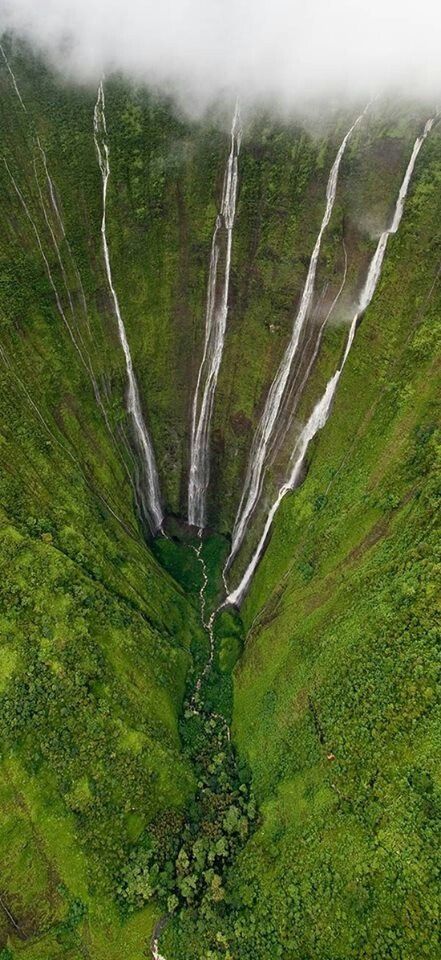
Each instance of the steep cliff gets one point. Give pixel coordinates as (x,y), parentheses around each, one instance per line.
(327,800)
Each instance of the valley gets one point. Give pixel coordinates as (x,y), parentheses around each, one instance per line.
(219,490)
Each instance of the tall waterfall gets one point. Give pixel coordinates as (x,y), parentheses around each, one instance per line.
(215,326)
(322,408)
(13,80)
(264,432)
(151,495)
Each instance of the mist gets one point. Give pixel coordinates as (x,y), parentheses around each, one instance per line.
(290,51)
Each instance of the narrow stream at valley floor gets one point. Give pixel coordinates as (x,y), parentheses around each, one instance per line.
(218,777)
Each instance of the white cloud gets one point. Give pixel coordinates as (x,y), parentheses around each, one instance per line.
(293,50)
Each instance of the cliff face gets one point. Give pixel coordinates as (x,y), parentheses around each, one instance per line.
(164,191)
(334,693)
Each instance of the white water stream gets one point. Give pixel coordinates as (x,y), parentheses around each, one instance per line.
(322,408)
(215,327)
(296,389)
(80,346)
(60,222)
(264,432)
(155,950)
(47,266)
(207,624)
(56,211)
(84,352)
(12,76)
(152,493)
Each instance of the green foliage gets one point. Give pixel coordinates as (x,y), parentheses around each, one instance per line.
(314,833)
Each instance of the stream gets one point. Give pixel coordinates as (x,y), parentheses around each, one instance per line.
(195,705)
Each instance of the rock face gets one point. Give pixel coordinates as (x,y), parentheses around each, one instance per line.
(329,681)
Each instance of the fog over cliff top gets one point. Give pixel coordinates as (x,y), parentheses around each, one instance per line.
(289,50)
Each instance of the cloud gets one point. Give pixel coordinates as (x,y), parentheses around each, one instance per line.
(291,50)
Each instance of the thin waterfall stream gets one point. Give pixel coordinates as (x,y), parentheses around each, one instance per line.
(150,493)
(155,948)
(214,723)
(207,624)
(215,328)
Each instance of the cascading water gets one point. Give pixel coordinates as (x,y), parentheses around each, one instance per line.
(263,436)
(316,421)
(322,408)
(59,220)
(12,76)
(215,326)
(297,387)
(84,359)
(84,353)
(151,496)
(59,304)
(155,950)
(195,706)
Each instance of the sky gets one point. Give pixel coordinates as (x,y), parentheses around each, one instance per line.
(288,50)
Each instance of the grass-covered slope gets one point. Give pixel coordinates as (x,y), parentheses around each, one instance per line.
(95,637)
(91,688)
(95,646)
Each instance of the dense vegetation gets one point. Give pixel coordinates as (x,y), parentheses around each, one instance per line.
(313,833)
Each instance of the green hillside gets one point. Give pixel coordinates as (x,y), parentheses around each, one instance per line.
(125,808)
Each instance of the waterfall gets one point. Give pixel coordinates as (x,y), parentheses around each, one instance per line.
(144,444)
(299,382)
(12,76)
(56,211)
(321,411)
(59,220)
(155,950)
(263,435)
(50,276)
(316,421)
(215,326)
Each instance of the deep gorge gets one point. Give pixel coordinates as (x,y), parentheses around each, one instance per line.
(311,833)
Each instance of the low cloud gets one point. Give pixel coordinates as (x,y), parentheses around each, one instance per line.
(293,51)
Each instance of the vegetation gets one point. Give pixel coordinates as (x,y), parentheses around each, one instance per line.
(312,833)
